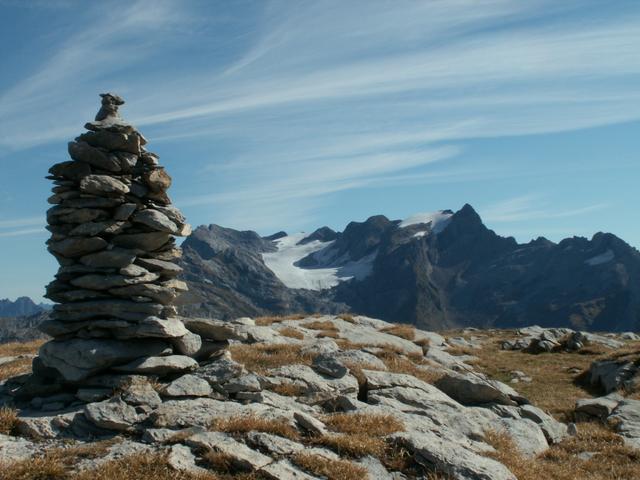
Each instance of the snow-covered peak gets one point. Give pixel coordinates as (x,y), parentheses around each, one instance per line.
(437,220)
(283,263)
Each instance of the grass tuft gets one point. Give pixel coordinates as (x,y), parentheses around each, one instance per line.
(363,423)
(291,333)
(8,420)
(402,330)
(260,358)
(248,423)
(330,469)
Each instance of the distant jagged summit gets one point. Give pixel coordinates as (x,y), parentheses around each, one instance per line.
(436,270)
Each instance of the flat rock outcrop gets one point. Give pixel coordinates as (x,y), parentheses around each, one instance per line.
(286,389)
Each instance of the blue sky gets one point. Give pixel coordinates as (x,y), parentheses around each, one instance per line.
(292,115)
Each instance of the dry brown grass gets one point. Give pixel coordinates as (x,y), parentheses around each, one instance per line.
(331,469)
(288,389)
(425,343)
(402,330)
(611,459)
(347,317)
(13,349)
(291,333)
(261,358)
(270,320)
(8,420)
(219,461)
(459,351)
(320,325)
(144,466)
(554,388)
(248,423)
(17,367)
(363,423)
(57,465)
(397,363)
(353,446)
(328,334)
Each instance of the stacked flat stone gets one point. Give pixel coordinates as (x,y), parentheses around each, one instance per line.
(113,232)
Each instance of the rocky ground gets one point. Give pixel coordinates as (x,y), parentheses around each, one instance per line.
(342,397)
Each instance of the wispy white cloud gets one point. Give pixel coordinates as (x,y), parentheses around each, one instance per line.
(21,226)
(22,222)
(533,207)
(330,96)
(21,232)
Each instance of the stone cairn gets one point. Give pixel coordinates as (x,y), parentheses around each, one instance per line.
(112,231)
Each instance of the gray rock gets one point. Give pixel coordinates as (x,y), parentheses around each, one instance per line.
(123,309)
(147,242)
(92,394)
(83,152)
(188,344)
(159,365)
(124,211)
(103,185)
(166,435)
(113,414)
(141,393)
(596,407)
(242,456)
(626,420)
(112,141)
(553,430)
(14,449)
(328,365)
(106,282)
(221,370)
(149,327)
(447,457)
(187,386)
(77,359)
(181,459)
(274,444)
(527,436)
(123,449)
(157,293)
(155,220)
(166,269)
(77,247)
(361,358)
(474,388)
(629,336)
(111,258)
(91,229)
(245,383)
(375,468)
(611,375)
(194,412)
(310,424)
(285,470)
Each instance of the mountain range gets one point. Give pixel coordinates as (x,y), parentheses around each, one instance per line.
(21,307)
(438,270)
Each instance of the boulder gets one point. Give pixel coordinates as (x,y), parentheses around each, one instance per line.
(159,365)
(77,359)
(113,414)
(187,386)
(242,456)
(103,185)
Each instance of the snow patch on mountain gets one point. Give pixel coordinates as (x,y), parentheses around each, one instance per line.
(438,220)
(328,274)
(600,259)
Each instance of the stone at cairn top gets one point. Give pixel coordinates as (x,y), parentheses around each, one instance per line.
(112,231)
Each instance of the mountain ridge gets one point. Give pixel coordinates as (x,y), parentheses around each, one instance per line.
(437,271)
